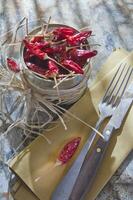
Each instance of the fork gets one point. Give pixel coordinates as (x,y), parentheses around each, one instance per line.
(107,105)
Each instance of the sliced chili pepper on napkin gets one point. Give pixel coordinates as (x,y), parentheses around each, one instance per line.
(68,151)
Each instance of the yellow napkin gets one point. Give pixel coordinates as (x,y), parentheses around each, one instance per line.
(21,192)
(36,164)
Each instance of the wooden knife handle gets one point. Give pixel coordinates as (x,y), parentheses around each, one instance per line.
(90,166)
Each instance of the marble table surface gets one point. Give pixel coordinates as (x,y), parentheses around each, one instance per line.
(112,23)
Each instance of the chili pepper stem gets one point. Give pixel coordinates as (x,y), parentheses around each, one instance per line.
(59,42)
(84,28)
(14,44)
(56,85)
(58,163)
(46,29)
(42,28)
(64,75)
(16,29)
(83,45)
(57,89)
(75,117)
(47,34)
(38,74)
(43,136)
(27,28)
(10,82)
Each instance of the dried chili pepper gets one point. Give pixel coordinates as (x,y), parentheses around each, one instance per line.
(57,50)
(36,68)
(81,56)
(28,52)
(42,45)
(80,53)
(12,65)
(68,150)
(71,65)
(62,32)
(27,55)
(33,49)
(37,38)
(53,69)
(52,47)
(78,38)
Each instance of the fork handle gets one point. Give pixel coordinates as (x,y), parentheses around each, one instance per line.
(90,166)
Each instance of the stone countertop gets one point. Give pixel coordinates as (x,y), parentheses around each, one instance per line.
(112,24)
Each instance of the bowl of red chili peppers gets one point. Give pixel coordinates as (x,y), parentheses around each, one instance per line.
(60,53)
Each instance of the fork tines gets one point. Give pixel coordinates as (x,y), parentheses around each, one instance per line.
(118,84)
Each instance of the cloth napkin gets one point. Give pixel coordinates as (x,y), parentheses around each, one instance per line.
(35,165)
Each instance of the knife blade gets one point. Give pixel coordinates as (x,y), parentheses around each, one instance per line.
(64,189)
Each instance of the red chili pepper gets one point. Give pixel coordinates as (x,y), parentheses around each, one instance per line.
(27,55)
(42,45)
(68,150)
(81,56)
(78,38)
(55,49)
(37,38)
(36,68)
(33,49)
(37,51)
(71,65)
(53,69)
(12,65)
(62,32)
(74,53)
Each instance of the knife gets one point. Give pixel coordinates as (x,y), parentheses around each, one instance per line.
(92,161)
(64,190)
